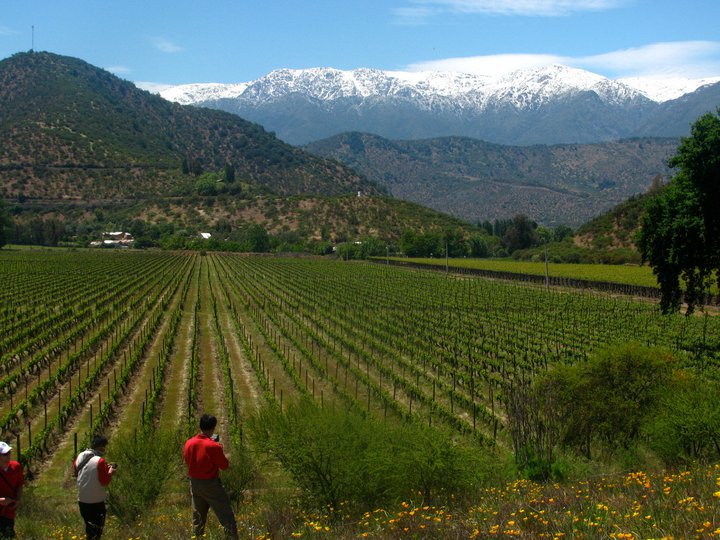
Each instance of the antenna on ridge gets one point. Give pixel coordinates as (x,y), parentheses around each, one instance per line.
(32,48)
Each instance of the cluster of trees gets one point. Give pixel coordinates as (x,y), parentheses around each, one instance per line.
(498,239)
(37,231)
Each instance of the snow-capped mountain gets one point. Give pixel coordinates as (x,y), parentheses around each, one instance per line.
(666,89)
(552,104)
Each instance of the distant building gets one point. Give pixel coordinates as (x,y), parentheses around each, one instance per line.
(205,235)
(114,239)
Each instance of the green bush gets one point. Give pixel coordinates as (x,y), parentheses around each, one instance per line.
(241,472)
(144,464)
(606,400)
(621,386)
(687,427)
(335,455)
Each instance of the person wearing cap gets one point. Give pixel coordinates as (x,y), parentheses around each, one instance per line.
(93,476)
(11,488)
(205,457)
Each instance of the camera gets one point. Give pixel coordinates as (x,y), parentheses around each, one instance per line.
(113,465)
(215,437)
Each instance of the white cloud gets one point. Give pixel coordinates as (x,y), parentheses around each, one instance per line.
(7,31)
(412,16)
(424,9)
(691,59)
(118,70)
(153,87)
(495,64)
(166,46)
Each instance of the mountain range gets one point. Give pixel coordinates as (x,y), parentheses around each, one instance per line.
(476,180)
(550,105)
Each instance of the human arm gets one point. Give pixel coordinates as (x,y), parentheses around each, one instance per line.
(217,454)
(105,472)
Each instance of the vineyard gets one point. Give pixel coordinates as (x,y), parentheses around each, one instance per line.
(119,341)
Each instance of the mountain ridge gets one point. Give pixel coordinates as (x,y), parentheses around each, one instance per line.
(476,180)
(550,105)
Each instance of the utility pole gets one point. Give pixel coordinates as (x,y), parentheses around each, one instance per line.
(32,47)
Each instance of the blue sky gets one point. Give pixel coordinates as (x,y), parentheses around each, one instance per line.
(181,41)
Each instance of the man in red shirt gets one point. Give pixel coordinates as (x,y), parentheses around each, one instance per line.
(205,458)
(11,488)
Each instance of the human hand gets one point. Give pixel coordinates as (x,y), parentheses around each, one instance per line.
(6,501)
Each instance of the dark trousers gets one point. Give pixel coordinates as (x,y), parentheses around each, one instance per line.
(94,516)
(207,494)
(7,528)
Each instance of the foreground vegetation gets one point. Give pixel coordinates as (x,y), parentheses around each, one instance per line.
(633,505)
(357,399)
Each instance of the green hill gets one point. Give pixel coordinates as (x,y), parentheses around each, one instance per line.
(77,142)
(618,227)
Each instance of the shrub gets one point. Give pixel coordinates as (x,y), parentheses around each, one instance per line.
(607,400)
(688,425)
(335,455)
(620,387)
(242,469)
(144,465)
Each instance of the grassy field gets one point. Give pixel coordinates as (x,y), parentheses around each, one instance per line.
(626,275)
(132,343)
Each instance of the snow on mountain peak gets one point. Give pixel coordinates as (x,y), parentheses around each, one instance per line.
(528,88)
(188,94)
(665,89)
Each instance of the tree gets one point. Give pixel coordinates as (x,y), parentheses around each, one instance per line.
(680,235)
(478,246)
(521,234)
(229,173)
(5,223)
(206,184)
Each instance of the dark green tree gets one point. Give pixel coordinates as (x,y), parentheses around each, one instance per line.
(680,235)
(478,246)
(521,234)
(5,223)
(229,172)
(258,239)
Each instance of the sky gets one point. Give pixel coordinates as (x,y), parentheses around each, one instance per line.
(230,41)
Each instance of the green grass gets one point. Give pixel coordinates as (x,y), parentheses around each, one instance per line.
(626,275)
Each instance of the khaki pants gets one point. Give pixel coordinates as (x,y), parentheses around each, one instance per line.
(208,494)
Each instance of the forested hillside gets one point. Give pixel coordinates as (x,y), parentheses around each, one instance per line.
(70,130)
(476,180)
